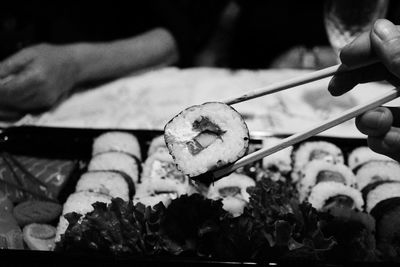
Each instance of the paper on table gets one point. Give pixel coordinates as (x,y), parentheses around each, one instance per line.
(149,100)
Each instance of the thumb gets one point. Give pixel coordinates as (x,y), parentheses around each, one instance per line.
(385,41)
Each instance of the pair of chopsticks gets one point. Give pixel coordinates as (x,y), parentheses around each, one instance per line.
(296,138)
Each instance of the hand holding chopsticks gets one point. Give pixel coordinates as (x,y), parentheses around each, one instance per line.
(296,138)
(351,113)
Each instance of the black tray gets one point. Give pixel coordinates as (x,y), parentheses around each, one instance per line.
(76,143)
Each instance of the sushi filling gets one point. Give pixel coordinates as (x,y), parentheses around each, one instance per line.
(326,176)
(320,154)
(230,191)
(339,201)
(209,133)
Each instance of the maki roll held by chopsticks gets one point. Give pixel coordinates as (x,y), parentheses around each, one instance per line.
(205,137)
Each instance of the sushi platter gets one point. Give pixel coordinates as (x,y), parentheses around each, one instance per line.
(67,198)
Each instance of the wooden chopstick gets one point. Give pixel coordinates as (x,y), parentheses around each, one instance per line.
(296,138)
(302,79)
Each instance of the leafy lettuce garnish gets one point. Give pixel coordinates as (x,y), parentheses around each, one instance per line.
(274,226)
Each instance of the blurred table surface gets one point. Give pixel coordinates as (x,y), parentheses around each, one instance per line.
(151,99)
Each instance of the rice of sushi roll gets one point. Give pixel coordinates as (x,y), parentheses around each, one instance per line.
(280,161)
(381,192)
(232,190)
(109,183)
(318,171)
(363,154)
(161,175)
(115,161)
(377,170)
(117,142)
(205,137)
(81,203)
(152,200)
(315,150)
(157,144)
(329,194)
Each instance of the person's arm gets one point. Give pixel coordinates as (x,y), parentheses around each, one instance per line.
(151,49)
(36,77)
(381,44)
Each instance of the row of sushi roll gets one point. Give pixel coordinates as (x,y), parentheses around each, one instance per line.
(115,170)
(112,172)
(318,169)
(369,182)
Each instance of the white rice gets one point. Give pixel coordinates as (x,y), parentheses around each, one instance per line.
(108,183)
(153,200)
(81,203)
(377,170)
(363,154)
(228,148)
(324,191)
(161,175)
(115,161)
(281,159)
(233,204)
(117,142)
(156,144)
(382,192)
(308,177)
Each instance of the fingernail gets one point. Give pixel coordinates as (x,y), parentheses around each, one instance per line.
(374,118)
(385,30)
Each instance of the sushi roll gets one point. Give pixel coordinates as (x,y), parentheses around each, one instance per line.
(156,144)
(279,161)
(233,192)
(117,142)
(332,194)
(318,171)
(205,137)
(315,150)
(116,161)
(363,154)
(377,170)
(81,203)
(382,191)
(109,183)
(161,175)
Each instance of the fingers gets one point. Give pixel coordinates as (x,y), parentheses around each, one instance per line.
(380,126)
(389,144)
(382,44)
(14,63)
(17,90)
(376,122)
(358,51)
(385,41)
(344,82)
